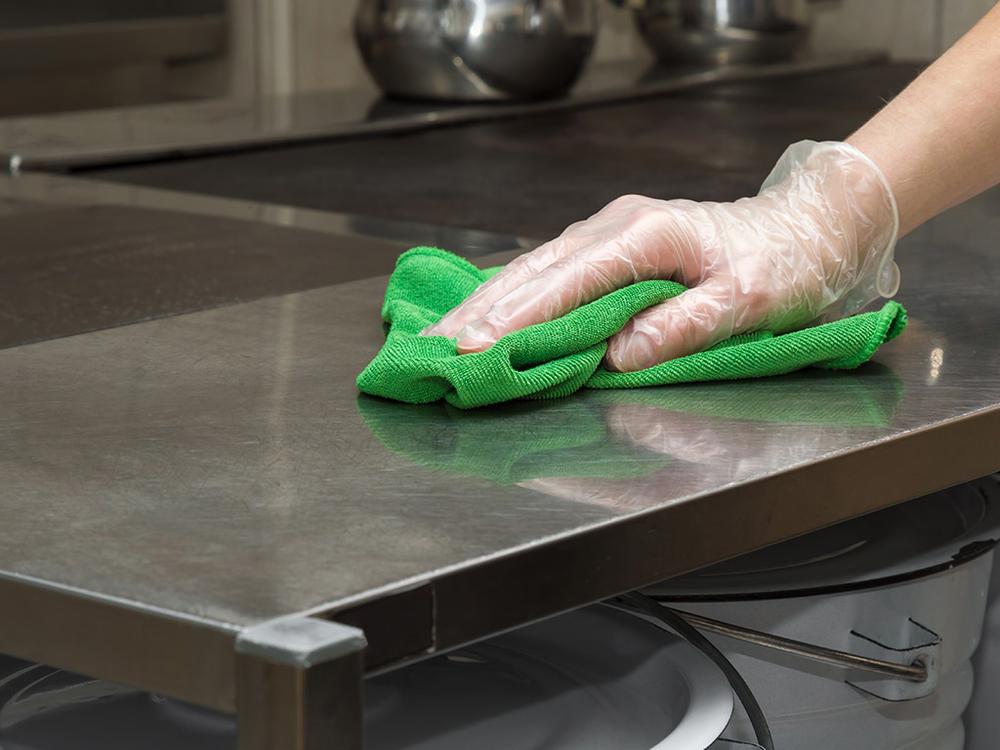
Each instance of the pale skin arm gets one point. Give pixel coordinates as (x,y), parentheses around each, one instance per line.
(938,142)
(807,245)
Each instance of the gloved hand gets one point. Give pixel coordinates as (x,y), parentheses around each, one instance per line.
(816,240)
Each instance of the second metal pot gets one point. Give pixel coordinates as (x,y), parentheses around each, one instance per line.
(723,32)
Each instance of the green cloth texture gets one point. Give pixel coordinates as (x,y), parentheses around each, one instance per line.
(557,358)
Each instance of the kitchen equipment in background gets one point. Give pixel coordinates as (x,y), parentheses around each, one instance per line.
(591,679)
(907,585)
(982,719)
(722,32)
(475,49)
(59,55)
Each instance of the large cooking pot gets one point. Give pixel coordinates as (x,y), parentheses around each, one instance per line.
(722,31)
(906,586)
(592,679)
(475,49)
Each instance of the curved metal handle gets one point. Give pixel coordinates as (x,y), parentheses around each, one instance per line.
(915,671)
(36,689)
(649,609)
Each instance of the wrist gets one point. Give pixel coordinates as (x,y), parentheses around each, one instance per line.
(853,220)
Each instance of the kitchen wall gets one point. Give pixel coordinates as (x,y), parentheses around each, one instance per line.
(301,45)
(908,29)
(57,55)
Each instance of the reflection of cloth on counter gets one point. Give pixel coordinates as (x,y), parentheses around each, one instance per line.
(557,358)
(864,398)
(520,443)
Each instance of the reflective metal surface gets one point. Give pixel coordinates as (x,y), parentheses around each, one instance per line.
(164,131)
(475,49)
(221,465)
(37,191)
(80,256)
(527,177)
(723,32)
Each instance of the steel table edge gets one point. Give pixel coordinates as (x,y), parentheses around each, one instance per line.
(293,682)
(79,157)
(290,695)
(184,656)
(479,598)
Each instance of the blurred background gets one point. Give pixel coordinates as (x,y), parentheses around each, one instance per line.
(60,55)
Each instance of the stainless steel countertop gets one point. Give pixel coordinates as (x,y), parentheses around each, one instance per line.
(189,477)
(122,135)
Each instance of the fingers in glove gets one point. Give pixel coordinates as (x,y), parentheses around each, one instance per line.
(691,322)
(574,280)
(512,276)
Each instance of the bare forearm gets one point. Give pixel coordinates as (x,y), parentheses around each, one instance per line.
(938,142)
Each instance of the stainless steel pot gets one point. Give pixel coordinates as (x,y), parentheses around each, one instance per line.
(722,31)
(475,49)
(906,586)
(591,679)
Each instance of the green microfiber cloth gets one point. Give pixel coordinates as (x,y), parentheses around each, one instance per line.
(557,358)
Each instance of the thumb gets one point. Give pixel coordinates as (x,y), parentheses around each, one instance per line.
(688,323)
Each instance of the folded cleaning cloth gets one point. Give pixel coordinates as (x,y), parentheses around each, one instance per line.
(557,358)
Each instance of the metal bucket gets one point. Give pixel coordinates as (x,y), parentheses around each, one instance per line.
(591,679)
(904,590)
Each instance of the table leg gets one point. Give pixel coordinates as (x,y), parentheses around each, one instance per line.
(299,686)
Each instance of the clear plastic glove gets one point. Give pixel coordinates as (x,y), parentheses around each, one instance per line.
(817,240)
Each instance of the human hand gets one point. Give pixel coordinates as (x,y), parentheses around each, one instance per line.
(817,240)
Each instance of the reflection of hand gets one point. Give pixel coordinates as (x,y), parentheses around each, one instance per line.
(818,239)
(724,433)
(704,443)
(615,495)
(684,436)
